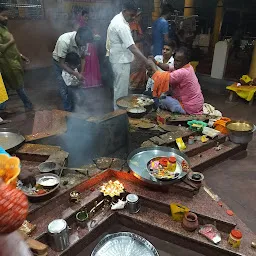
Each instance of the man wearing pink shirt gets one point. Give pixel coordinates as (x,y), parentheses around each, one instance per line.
(187,97)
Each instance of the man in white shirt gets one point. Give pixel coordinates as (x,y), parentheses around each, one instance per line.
(69,42)
(121,49)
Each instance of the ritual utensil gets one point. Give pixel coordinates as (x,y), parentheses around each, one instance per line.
(133,203)
(11,139)
(130,243)
(191,140)
(190,222)
(47,180)
(82,218)
(138,162)
(136,112)
(50,190)
(240,132)
(58,235)
(195,176)
(74,196)
(129,101)
(119,205)
(102,204)
(51,166)
(48,166)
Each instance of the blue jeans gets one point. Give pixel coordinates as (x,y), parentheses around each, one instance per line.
(171,104)
(23,96)
(63,88)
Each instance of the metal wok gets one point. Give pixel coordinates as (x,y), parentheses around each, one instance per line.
(10,139)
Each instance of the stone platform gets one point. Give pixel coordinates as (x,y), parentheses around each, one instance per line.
(155,200)
(154,218)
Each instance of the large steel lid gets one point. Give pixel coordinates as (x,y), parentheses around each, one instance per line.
(124,244)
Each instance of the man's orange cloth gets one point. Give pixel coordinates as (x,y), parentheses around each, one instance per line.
(161,83)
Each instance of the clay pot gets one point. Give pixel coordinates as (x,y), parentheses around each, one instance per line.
(190,222)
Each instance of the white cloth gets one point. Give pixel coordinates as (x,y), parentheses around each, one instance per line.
(13,245)
(65,44)
(170,62)
(119,39)
(160,59)
(208,109)
(150,84)
(121,80)
(70,80)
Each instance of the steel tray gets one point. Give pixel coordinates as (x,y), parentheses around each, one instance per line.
(129,99)
(138,163)
(124,244)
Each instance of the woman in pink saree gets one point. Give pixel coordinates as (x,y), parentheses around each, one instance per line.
(91,65)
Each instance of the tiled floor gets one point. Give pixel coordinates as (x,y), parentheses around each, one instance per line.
(233,180)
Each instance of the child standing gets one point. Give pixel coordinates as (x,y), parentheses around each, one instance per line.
(73,61)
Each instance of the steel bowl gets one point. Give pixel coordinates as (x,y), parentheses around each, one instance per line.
(42,180)
(136,112)
(239,126)
(240,132)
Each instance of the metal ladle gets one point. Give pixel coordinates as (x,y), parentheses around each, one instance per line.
(50,166)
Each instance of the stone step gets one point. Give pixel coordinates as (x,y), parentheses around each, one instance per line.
(203,160)
(199,147)
(202,155)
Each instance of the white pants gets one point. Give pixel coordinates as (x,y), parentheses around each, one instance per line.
(121,80)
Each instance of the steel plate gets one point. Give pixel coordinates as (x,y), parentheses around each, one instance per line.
(139,158)
(129,98)
(124,244)
(45,195)
(10,138)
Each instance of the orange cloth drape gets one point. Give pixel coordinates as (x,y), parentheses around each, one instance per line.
(161,83)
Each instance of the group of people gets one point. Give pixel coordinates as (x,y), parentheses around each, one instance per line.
(76,62)
(131,69)
(172,80)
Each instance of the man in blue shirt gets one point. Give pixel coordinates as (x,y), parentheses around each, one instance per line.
(160,29)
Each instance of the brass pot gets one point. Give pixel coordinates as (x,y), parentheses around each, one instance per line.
(240,132)
(240,126)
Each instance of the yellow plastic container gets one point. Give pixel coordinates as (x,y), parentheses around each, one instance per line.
(178,211)
(235,238)
(181,144)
